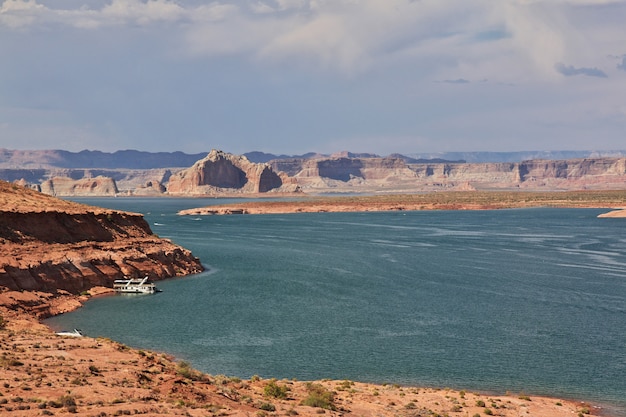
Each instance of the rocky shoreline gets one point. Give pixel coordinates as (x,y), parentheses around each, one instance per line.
(51,246)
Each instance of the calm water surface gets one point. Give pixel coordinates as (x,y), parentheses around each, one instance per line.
(529,300)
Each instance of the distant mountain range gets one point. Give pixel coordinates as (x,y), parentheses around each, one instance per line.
(128,159)
(434,157)
(138,173)
(133,159)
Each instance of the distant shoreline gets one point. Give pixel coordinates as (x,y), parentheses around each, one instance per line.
(460,200)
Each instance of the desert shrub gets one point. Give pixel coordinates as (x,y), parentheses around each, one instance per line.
(344,385)
(14,362)
(267,407)
(67,401)
(272,389)
(319,397)
(480,403)
(185,370)
(488,411)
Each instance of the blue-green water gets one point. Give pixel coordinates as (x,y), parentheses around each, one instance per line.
(529,300)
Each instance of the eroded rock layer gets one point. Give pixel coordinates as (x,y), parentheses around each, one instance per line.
(50,245)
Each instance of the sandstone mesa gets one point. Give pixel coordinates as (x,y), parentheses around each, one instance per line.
(222,174)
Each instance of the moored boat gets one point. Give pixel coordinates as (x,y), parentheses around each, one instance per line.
(73,333)
(134,286)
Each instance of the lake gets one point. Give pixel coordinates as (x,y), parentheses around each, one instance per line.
(523,300)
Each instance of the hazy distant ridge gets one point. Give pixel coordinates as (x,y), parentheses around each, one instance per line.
(520,156)
(127,159)
(133,159)
(470,157)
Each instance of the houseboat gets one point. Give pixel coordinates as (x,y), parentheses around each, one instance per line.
(134,286)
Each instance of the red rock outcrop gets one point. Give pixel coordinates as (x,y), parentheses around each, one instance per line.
(221,172)
(51,245)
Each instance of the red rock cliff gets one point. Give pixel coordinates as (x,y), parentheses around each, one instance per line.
(47,244)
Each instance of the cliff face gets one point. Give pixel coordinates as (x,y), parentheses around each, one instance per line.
(50,245)
(64,186)
(396,174)
(221,172)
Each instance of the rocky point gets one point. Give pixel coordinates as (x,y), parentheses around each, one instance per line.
(54,247)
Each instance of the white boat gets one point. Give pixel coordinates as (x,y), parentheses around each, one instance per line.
(134,286)
(73,333)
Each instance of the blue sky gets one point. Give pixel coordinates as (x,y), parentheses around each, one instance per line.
(292,76)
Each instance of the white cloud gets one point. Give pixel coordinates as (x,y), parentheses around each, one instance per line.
(352,36)
(18,13)
(142,12)
(313,70)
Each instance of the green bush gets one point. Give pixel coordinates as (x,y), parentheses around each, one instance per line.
(272,389)
(185,370)
(319,397)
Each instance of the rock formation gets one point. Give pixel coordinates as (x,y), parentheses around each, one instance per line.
(64,186)
(395,174)
(51,245)
(221,172)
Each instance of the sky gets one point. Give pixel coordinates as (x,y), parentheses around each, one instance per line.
(296,76)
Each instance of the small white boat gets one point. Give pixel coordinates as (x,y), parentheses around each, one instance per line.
(73,333)
(134,286)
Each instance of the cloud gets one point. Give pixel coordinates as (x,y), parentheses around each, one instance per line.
(457,81)
(287,73)
(521,38)
(570,70)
